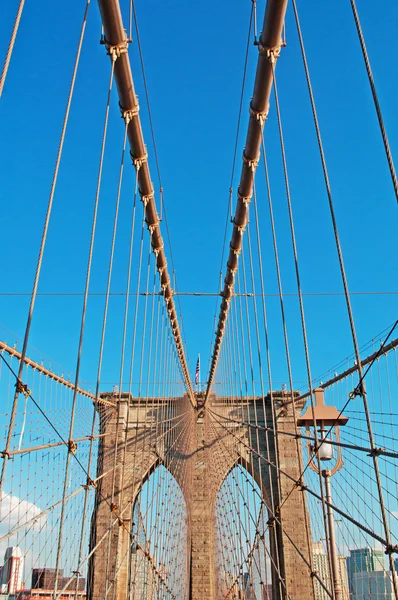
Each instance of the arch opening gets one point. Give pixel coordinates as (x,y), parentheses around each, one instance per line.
(159,558)
(242,544)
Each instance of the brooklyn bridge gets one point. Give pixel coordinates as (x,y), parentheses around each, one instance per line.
(230,433)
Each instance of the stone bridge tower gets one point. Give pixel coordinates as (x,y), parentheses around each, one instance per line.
(200,452)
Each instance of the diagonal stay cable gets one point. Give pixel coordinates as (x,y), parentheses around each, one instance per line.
(274,516)
(303,487)
(353,394)
(118,516)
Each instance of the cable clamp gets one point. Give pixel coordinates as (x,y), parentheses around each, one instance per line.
(271,53)
(252,163)
(237,251)
(147,198)
(5,454)
(156,252)
(245,199)
(117,50)
(130,113)
(241,229)
(113,507)
(260,115)
(313,574)
(233,273)
(139,161)
(376,451)
(22,388)
(390,549)
(72,447)
(152,227)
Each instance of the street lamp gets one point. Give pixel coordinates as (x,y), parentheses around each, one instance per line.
(327,421)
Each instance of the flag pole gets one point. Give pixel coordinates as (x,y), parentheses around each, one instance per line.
(199,373)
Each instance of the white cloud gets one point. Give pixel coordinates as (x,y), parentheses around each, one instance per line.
(15,512)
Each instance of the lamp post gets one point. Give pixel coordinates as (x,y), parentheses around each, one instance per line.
(323,418)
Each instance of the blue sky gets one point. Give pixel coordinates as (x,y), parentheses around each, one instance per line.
(194,55)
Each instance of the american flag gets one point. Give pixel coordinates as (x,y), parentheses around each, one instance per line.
(197,370)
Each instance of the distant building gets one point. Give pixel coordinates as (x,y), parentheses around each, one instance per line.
(343,577)
(363,560)
(372,585)
(11,575)
(321,566)
(43,586)
(49,595)
(44,579)
(248,587)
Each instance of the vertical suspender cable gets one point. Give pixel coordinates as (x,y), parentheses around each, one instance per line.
(101,351)
(375,98)
(284,327)
(361,389)
(81,335)
(116,43)
(11,45)
(269,45)
(43,243)
(301,304)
